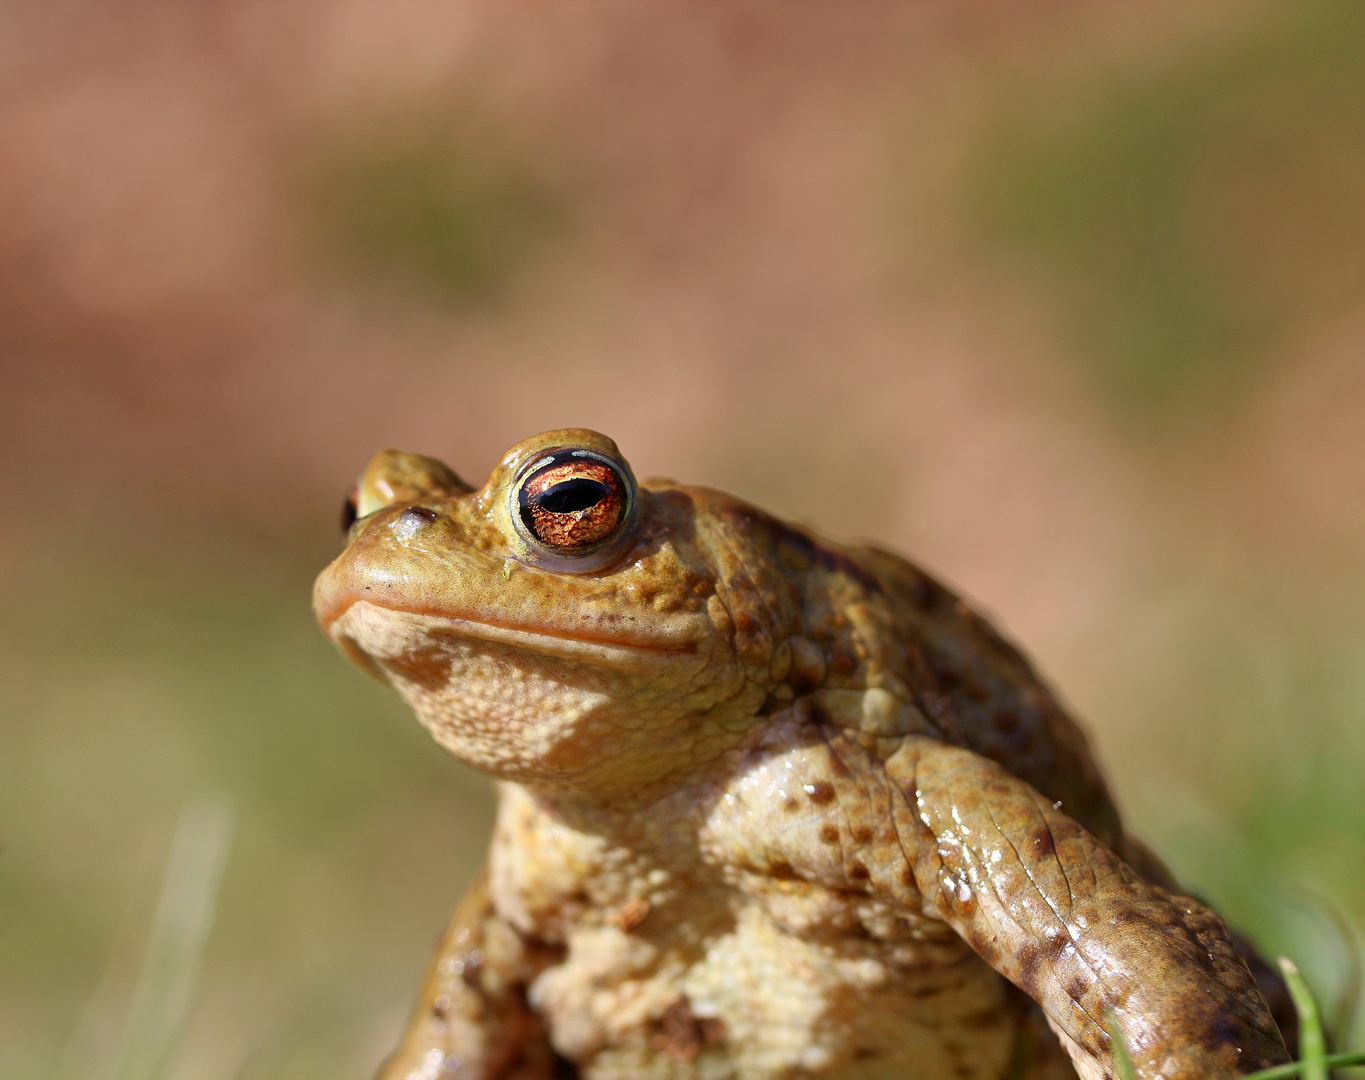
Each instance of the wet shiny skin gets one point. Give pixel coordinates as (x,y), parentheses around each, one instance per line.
(769,806)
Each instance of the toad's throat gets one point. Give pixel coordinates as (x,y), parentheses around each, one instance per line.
(383,628)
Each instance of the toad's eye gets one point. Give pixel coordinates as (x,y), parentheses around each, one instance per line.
(573,502)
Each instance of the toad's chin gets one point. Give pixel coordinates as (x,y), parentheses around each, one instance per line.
(517,704)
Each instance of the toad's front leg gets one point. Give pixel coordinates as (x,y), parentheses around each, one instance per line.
(1061,916)
(472,1019)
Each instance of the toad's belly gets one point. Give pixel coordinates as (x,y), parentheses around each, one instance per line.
(758,1001)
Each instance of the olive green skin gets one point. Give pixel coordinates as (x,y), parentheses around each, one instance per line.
(769,807)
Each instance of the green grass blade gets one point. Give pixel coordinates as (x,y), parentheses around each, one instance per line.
(184,916)
(1312,1042)
(1331,1061)
(1123,1061)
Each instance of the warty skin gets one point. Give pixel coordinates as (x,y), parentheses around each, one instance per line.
(768,806)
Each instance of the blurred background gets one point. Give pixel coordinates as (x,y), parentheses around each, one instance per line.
(1064,300)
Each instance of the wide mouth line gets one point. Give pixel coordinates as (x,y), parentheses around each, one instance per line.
(511,634)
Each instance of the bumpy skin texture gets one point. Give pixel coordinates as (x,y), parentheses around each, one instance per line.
(769,807)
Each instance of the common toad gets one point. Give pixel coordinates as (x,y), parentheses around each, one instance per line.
(769,806)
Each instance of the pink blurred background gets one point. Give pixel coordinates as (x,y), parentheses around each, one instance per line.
(1066,301)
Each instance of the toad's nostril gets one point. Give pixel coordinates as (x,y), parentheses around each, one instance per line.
(411,521)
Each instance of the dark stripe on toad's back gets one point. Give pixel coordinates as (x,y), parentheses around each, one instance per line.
(981,693)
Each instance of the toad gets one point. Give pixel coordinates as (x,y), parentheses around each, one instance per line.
(768,806)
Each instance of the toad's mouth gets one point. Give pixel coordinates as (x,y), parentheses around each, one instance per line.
(382,630)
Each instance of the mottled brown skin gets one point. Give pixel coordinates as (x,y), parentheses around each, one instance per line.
(769,806)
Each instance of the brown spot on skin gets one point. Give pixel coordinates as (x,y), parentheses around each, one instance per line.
(683,1035)
(807,664)
(836,561)
(781,870)
(1055,946)
(842,665)
(1076,988)
(428,667)
(857,871)
(744,622)
(820,793)
(829,834)
(1030,960)
(935,593)
(947,677)
(628,917)
(790,805)
(907,875)
(984,947)
(1223,1031)
(712,1030)
(1040,839)
(793,558)
(861,833)
(837,768)
(939,709)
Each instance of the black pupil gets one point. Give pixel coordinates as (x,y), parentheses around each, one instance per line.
(572,495)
